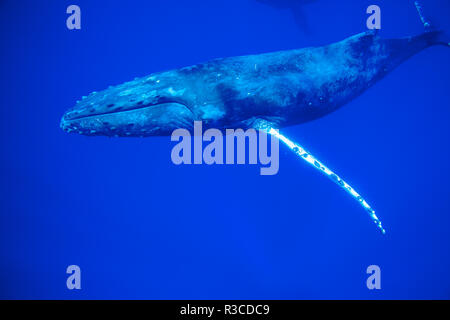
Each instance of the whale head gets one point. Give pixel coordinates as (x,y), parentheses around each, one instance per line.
(143,107)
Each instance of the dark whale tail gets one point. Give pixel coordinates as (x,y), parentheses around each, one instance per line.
(432,35)
(440,38)
(434,38)
(300,17)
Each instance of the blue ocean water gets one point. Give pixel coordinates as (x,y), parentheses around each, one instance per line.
(140,227)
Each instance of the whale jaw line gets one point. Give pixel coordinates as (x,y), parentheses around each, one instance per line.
(153,120)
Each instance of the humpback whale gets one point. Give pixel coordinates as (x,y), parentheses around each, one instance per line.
(267,92)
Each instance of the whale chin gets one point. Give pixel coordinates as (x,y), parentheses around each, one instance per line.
(154,120)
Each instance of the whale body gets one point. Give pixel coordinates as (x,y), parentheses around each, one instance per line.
(280,89)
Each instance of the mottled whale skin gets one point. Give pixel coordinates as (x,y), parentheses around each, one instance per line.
(278,89)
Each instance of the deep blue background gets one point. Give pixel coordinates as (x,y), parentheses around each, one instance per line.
(141,227)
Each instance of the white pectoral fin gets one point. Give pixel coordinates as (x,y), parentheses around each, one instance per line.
(306,156)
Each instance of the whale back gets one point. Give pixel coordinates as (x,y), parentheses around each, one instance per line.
(297,86)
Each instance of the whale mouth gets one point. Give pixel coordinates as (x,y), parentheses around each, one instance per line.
(86,112)
(139,120)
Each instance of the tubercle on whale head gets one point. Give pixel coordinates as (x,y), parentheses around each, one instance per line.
(144,107)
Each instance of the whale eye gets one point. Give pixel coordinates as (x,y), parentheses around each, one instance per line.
(110,105)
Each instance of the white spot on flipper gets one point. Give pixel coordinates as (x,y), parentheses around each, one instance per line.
(305,155)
